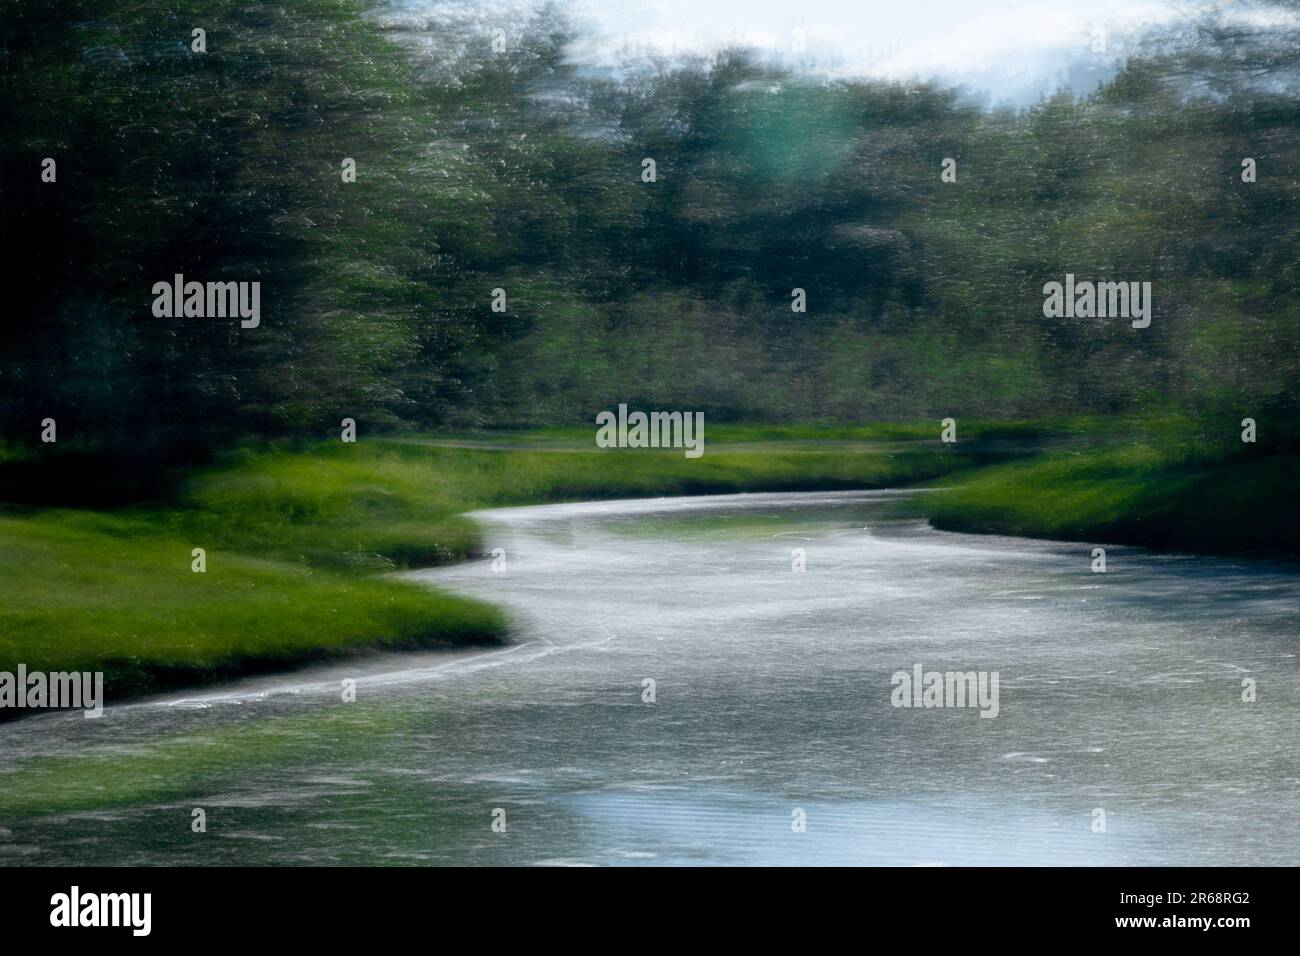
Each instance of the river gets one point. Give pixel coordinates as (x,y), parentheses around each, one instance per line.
(1121,734)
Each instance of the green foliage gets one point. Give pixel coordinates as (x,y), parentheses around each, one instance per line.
(91,591)
(479,170)
(1132,494)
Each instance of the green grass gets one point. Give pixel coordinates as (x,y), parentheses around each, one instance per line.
(85,591)
(401,503)
(1164,496)
(297,538)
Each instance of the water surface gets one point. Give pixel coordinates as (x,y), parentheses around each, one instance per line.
(1119,692)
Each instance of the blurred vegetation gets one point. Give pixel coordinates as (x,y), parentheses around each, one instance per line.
(516,170)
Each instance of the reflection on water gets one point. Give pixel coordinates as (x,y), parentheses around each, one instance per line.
(700,827)
(1119,692)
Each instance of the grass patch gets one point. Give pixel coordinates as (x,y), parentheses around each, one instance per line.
(296,538)
(400,503)
(86,591)
(1156,496)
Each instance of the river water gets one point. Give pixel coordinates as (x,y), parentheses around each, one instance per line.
(1121,734)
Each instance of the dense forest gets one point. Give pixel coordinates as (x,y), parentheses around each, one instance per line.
(478,169)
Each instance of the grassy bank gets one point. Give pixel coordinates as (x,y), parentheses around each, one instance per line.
(297,538)
(389,504)
(84,591)
(1154,496)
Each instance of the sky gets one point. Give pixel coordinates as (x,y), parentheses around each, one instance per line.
(1007,50)
(1001,51)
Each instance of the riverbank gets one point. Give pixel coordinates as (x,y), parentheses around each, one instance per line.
(1180,494)
(1099,673)
(297,539)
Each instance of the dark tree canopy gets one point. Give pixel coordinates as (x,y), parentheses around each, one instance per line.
(479,170)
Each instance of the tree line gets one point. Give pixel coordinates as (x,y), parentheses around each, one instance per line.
(478,170)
